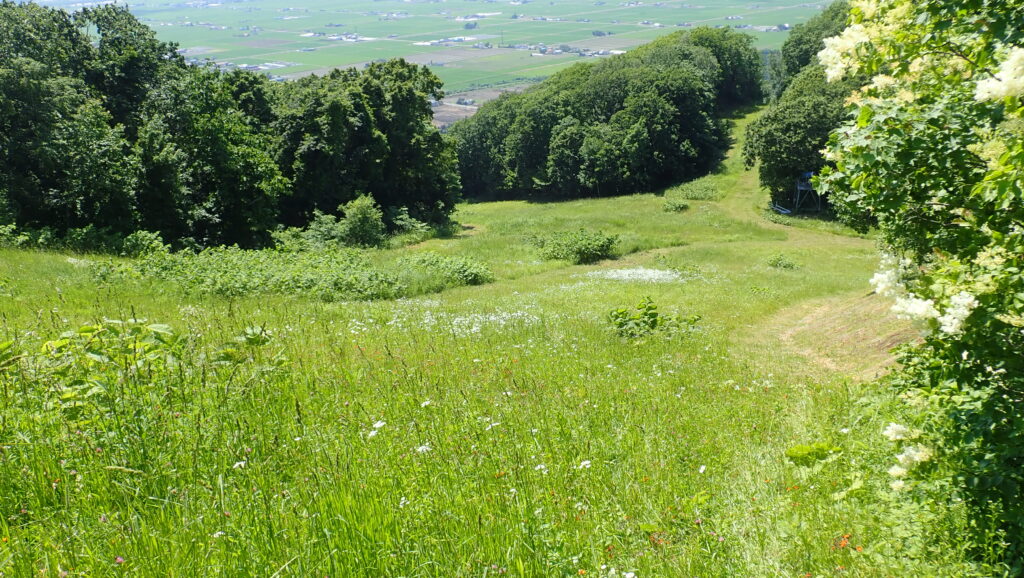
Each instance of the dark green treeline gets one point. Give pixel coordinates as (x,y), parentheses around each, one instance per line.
(105,128)
(629,123)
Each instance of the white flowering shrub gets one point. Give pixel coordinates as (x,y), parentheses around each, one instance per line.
(934,156)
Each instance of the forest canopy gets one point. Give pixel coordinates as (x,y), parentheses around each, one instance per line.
(104,130)
(629,123)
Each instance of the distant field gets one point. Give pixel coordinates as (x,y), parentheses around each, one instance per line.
(290,38)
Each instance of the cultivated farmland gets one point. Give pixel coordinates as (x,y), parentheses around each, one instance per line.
(469,44)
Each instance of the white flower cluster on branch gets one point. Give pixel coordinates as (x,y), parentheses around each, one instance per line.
(840,53)
(1008,81)
(960,306)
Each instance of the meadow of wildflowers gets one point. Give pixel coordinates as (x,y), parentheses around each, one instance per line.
(495,429)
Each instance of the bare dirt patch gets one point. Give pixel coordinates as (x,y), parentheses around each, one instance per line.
(446,114)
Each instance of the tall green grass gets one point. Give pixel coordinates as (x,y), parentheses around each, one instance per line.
(498,429)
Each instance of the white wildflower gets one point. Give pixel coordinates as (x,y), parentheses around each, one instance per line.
(1007,82)
(882,81)
(424,448)
(914,455)
(960,307)
(584,464)
(379,424)
(898,485)
(541,468)
(638,274)
(701,469)
(991,258)
(833,154)
(896,432)
(915,308)
(403,502)
(492,425)
(868,8)
(839,54)
(886,283)
(219,533)
(897,471)
(238,465)
(425,404)
(78,262)
(372,433)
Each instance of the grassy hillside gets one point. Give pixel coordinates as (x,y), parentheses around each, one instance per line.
(498,429)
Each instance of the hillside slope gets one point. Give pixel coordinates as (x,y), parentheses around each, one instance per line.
(503,429)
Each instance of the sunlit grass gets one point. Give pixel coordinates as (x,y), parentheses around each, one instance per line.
(515,432)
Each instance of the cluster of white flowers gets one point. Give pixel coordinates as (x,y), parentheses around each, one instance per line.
(1007,82)
(915,308)
(79,262)
(355,326)
(469,324)
(882,81)
(913,455)
(868,8)
(888,281)
(960,306)
(991,258)
(473,323)
(638,274)
(910,457)
(376,428)
(898,471)
(840,53)
(896,432)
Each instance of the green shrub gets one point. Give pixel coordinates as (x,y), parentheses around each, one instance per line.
(325,231)
(644,319)
(695,191)
(440,271)
(289,240)
(675,206)
(578,247)
(781,261)
(142,243)
(364,222)
(329,275)
(91,239)
(362,226)
(402,222)
(406,229)
(12,238)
